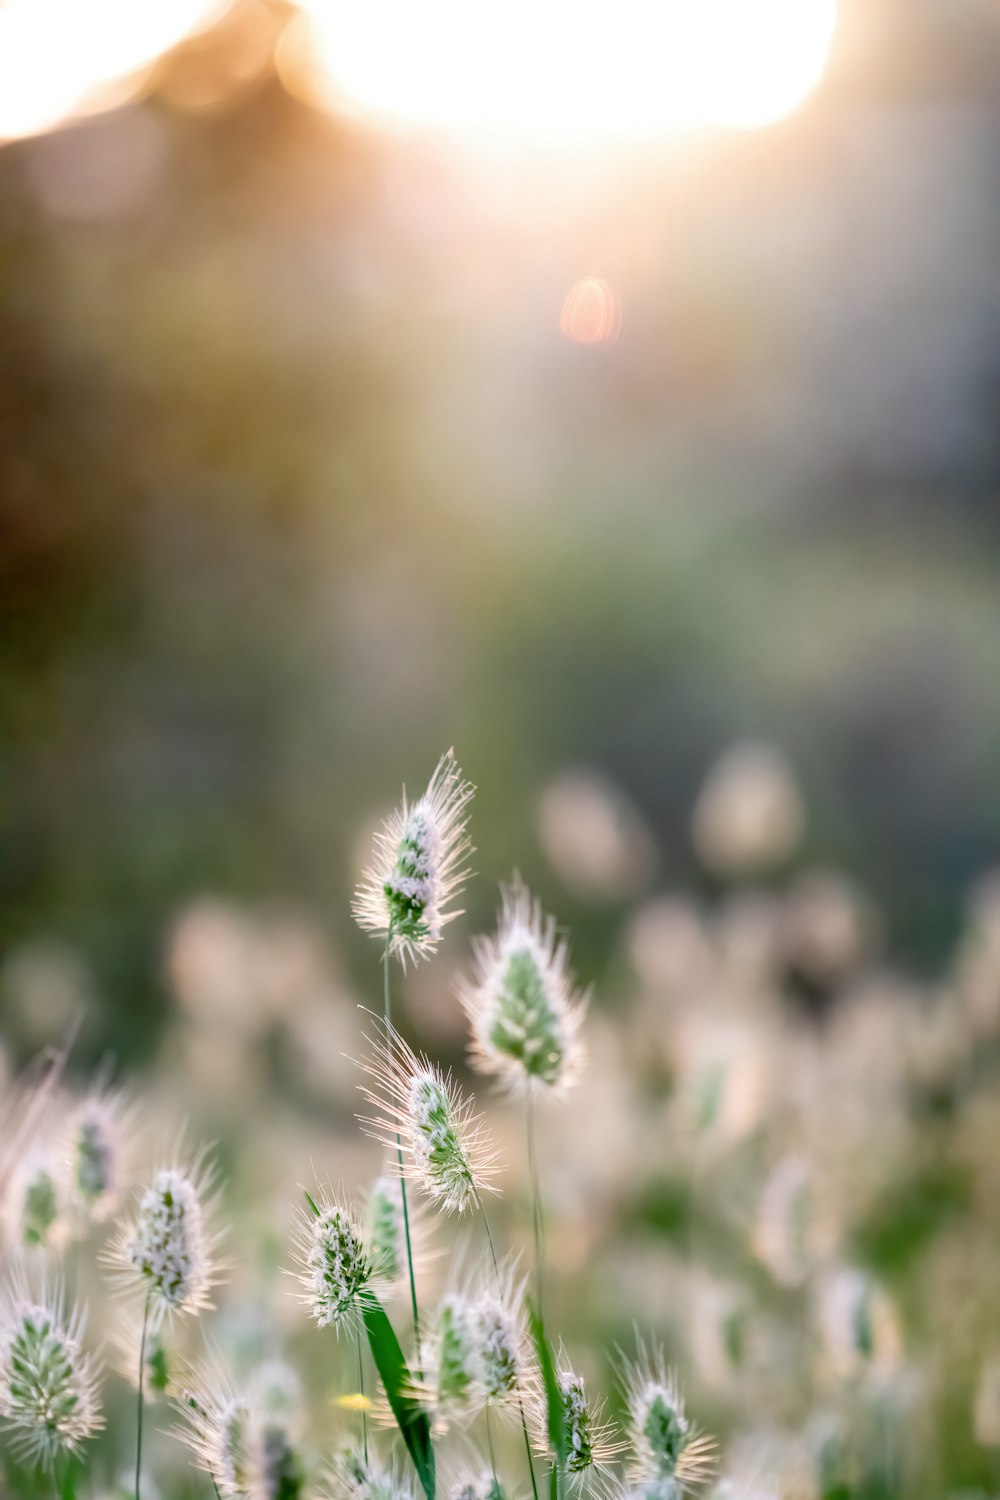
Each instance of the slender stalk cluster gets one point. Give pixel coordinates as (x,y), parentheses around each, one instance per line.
(48,1384)
(335,1263)
(418,867)
(522,1006)
(437,1130)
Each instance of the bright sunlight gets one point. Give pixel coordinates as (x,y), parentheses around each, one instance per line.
(563,70)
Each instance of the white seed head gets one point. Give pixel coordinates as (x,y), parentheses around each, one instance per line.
(483,1485)
(48,1384)
(439,1132)
(97,1154)
(522,1007)
(335,1264)
(858,1323)
(665,1447)
(499,1334)
(417,867)
(37,1199)
(450,1383)
(591,1445)
(167,1249)
(352,1477)
(244,1448)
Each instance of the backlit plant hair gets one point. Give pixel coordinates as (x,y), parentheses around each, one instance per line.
(418,867)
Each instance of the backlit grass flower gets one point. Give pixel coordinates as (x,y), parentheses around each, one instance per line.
(167,1250)
(97,1153)
(522,1006)
(417,867)
(245,1448)
(35,1209)
(442,1139)
(448,1387)
(501,1338)
(664,1445)
(351,1476)
(590,1442)
(335,1262)
(385,1227)
(48,1384)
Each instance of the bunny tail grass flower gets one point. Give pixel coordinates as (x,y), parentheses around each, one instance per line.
(97,1157)
(48,1384)
(483,1485)
(167,1250)
(353,1477)
(523,1009)
(449,1385)
(501,1339)
(335,1264)
(437,1130)
(36,1201)
(591,1445)
(387,1226)
(245,1450)
(667,1451)
(417,867)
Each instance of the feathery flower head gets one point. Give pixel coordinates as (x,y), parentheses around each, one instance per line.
(501,1338)
(48,1385)
(96,1153)
(482,1486)
(523,1009)
(352,1477)
(438,1129)
(416,869)
(450,1359)
(386,1231)
(37,1199)
(168,1247)
(335,1263)
(590,1441)
(665,1445)
(858,1323)
(245,1450)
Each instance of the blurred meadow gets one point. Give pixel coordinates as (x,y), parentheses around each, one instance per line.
(374,381)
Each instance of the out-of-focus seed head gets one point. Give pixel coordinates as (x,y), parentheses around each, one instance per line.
(522,1007)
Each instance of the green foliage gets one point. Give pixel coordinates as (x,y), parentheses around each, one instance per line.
(397,1382)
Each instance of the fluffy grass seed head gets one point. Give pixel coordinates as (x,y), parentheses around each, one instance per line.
(97,1157)
(667,1451)
(522,1006)
(386,1231)
(351,1477)
(418,868)
(501,1339)
(168,1248)
(35,1205)
(443,1139)
(482,1485)
(450,1387)
(244,1447)
(590,1444)
(48,1384)
(335,1262)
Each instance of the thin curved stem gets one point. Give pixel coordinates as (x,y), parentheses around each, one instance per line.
(361,1393)
(139,1414)
(520,1401)
(387,997)
(489,1444)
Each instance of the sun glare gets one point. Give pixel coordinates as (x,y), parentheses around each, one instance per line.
(64,57)
(566,69)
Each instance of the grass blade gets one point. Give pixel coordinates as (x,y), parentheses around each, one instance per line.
(398,1383)
(555,1419)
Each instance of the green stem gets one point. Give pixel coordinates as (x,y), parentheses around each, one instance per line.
(361,1393)
(520,1402)
(537,1224)
(142,1372)
(399,1154)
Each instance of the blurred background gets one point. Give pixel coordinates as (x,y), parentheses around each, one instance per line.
(614,394)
